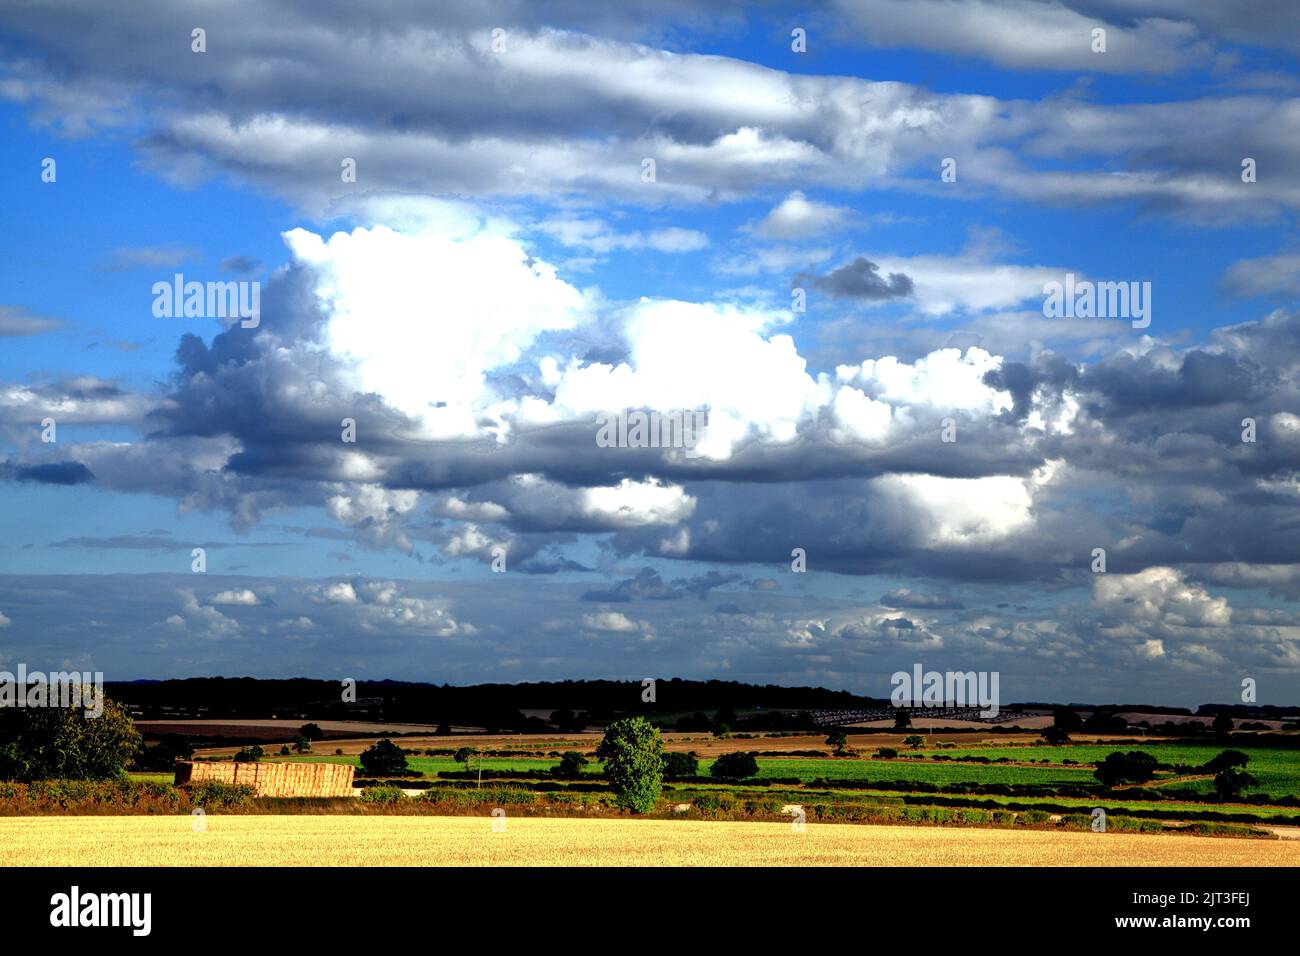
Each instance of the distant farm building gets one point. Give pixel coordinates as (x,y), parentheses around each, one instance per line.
(272,779)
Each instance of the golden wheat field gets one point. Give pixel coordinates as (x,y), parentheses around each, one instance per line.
(470,841)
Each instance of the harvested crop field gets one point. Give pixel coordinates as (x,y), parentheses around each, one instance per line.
(470,841)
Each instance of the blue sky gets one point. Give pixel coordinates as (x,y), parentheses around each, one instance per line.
(500,273)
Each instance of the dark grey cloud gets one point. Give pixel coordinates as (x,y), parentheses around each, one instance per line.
(859,279)
(49,473)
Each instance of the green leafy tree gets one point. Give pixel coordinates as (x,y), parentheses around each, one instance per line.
(680,766)
(1068,720)
(164,754)
(633,753)
(571,764)
(42,743)
(462,755)
(302,744)
(284,750)
(250,754)
(915,741)
(1056,736)
(837,739)
(312,732)
(1226,760)
(902,719)
(1230,783)
(383,758)
(1135,766)
(735,766)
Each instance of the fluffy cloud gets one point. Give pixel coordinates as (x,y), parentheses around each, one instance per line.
(797,217)
(422,318)
(1159,596)
(242,597)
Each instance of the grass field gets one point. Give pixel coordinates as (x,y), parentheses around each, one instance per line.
(1277,770)
(803,768)
(470,841)
(830,768)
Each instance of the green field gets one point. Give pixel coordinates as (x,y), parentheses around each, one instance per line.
(802,768)
(1277,770)
(832,768)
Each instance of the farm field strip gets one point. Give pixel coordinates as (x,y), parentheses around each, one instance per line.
(1277,769)
(470,841)
(802,768)
(1083,804)
(831,768)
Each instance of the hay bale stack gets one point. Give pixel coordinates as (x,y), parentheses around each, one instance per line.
(273,779)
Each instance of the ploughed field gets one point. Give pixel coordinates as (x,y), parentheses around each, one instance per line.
(471,841)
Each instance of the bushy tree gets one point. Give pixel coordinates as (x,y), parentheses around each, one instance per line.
(250,754)
(915,741)
(1132,767)
(680,766)
(1056,735)
(383,758)
(633,753)
(302,744)
(44,743)
(1230,783)
(1222,724)
(837,739)
(1067,719)
(735,766)
(164,754)
(1105,722)
(571,764)
(311,732)
(902,719)
(1226,760)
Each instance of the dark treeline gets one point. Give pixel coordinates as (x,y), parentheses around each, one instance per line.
(496,706)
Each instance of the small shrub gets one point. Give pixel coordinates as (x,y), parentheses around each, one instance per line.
(382,796)
(215,795)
